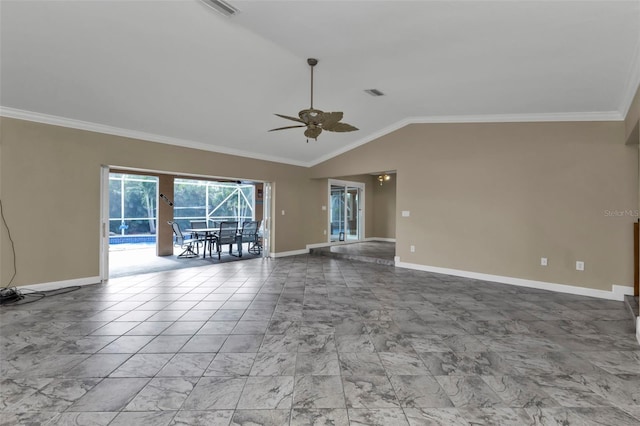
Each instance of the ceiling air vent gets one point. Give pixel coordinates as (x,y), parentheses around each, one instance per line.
(221,6)
(374,92)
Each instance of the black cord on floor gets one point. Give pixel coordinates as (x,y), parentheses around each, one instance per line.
(9,295)
(14,296)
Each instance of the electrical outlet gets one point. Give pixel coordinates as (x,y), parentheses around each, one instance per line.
(282,212)
(412,249)
(406,213)
(325,232)
(324,208)
(579,265)
(543,261)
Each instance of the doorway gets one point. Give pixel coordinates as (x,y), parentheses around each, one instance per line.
(346,213)
(130,216)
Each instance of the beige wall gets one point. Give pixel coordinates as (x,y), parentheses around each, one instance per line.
(489,198)
(317,221)
(494,198)
(632,130)
(384,208)
(50,186)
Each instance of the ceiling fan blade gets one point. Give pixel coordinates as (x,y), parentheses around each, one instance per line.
(287,127)
(313,132)
(316,120)
(341,127)
(330,119)
(292,118)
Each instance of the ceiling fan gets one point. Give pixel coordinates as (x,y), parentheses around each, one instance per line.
(316,120)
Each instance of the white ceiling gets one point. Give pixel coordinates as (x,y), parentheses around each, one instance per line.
(178,72)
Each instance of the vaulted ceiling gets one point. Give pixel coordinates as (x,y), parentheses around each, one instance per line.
(179,72)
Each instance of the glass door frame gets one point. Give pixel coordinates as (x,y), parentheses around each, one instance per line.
(267,188)
(346,186)
(104,223)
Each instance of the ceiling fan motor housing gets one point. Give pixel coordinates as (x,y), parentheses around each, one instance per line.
(311,115)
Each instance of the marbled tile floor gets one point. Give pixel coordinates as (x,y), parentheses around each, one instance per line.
(311,340)
(367,251)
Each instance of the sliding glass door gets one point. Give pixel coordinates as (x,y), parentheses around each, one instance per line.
(346,214)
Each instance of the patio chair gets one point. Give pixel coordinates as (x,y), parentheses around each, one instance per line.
(249,234)
(228,234)
(188,244)
(198,224)
(208,237)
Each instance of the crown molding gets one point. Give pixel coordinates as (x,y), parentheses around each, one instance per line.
(489,118)
(523,118)
(134,134)
(492,118)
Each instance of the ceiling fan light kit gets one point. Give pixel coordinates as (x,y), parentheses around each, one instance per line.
(316,120)
(383,178)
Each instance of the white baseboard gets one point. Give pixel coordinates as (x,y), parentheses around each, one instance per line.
(617,292)
(341,243)
(61,284)
(620,291)
(385,240)
(290,253)
(318,245)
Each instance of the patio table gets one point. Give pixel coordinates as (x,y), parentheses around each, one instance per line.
(210,235)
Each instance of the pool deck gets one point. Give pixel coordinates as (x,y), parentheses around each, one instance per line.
(133,259)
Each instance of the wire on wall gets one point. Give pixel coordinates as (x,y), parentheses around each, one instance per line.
(9,294)
(13,248)
(12,295)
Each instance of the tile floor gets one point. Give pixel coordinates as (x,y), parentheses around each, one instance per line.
(380,252)
(311,340)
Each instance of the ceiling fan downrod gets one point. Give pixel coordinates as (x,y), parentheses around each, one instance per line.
(312,63)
